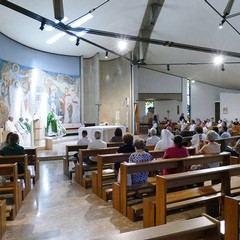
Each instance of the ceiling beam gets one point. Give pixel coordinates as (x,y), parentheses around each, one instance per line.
(150,17)
(69,30)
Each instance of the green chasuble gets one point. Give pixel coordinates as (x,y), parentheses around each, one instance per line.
(51,120)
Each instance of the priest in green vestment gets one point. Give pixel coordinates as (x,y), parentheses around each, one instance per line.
(52,128)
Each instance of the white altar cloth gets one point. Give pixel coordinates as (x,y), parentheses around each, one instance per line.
(107,131)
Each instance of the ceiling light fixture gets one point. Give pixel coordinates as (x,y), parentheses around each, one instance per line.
(221,24)
(42,25)
(122,44)
(193,81)
(218,60)
(222,67)
(50,28)
(81,20)
(106,54)
(56,37)
(77,41)
(168,67)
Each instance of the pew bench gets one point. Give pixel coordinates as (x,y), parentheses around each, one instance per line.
(211,196)
(121,190)
(2,217)
(70,149)
(232,218)
(203,227)
(82,169)
(102,181)
(10,190)
(33,163)
(26,176)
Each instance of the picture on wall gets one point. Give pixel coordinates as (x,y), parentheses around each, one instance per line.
(32,93)
(225,110)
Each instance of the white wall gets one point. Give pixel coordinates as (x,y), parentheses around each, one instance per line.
(17,53)
(150,81)
(203,97)
(230,103)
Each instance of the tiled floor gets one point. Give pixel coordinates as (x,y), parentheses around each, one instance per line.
(57,208)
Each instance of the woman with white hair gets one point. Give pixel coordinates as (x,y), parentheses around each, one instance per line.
(211,147)
(166,140)
(154,138)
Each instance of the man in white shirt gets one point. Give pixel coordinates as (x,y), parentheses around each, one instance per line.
(154,139)
(9,125)
(95,144)
(84,140)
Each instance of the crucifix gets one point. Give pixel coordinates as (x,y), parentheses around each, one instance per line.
(98,106)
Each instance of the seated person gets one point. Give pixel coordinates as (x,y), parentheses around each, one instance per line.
(14,149)
(139,156)
(176,151)
(126,148)
(95,144)
(117,136)
(166,140)
(154,139)
(84,140)
(198,138)
(4,144)
(211,147)
(235,151)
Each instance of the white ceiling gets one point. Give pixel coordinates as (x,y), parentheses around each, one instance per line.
(190,22)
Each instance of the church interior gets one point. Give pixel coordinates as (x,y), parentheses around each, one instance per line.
(162,73)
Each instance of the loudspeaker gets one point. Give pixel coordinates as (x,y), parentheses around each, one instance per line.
(58,9)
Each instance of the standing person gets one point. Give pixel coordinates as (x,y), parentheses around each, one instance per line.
(9,125)
(13,148)
(95,144)
(181,118)
(52,129)
(27,124)
(139,156)
(155,123)
(128,147)
(154,139)
(117,136)
(176,151)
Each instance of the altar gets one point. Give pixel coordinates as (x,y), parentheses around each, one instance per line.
(107,131)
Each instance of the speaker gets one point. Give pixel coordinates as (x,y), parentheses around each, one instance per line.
(58,9)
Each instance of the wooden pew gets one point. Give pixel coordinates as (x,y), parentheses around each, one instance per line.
(12,187)
(70,149)
(67,159)
(222,141)
(232,218)
(98,178)
(33,162)
(22,159)
(121,190)
(207,194)
(81,168)
(200,228)
(2,217)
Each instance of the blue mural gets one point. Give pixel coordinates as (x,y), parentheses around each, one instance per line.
(31,93)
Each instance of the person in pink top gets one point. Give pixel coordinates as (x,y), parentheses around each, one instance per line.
(176,151)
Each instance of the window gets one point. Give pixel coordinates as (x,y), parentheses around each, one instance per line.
(149,106)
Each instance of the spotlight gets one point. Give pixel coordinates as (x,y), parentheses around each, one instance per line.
(222,67)
(221,24)
(168,67)
(42,25)
(77,41)
(106,54)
